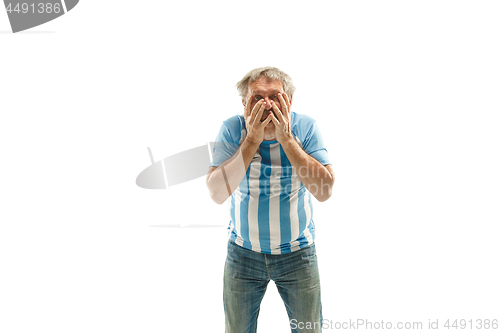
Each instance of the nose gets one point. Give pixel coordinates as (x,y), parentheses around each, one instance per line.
(268,103)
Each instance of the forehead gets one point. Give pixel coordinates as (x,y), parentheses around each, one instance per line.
(265,85)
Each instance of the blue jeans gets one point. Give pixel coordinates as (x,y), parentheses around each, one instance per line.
(296,275)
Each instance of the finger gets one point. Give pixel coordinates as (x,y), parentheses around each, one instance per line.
(268,119)
(288,103)
(284,105)
(259,112)
(274,119)
(279,115)
(247,106)
(256,110)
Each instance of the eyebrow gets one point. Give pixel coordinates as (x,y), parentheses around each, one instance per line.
(258,92)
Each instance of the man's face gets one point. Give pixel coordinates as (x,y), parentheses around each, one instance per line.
(267,89)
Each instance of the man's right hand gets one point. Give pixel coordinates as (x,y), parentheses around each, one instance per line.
(223,180)
(255,127)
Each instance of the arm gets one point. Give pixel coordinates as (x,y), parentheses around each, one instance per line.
(223,180)
(317,178)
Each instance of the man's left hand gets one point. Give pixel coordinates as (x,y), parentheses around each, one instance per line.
(282,120)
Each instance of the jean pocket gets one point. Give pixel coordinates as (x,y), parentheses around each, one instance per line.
(309,253)
(311,257)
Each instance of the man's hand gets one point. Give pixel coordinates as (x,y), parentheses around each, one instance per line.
(255,127)
(282,120)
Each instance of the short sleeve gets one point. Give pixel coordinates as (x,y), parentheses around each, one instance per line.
(313,145)
(225,145)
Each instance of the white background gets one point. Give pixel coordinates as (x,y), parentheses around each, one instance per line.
(405,94)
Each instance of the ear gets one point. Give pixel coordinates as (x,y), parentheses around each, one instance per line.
(291,97)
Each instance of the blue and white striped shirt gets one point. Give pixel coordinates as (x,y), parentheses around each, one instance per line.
(271,210)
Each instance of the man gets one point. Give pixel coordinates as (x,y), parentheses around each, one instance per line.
(269,161)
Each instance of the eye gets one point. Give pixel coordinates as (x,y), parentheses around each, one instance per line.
(257,98)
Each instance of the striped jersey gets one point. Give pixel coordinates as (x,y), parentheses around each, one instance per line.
(271,210)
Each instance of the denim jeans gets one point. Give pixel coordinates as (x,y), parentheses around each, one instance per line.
(296,275)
